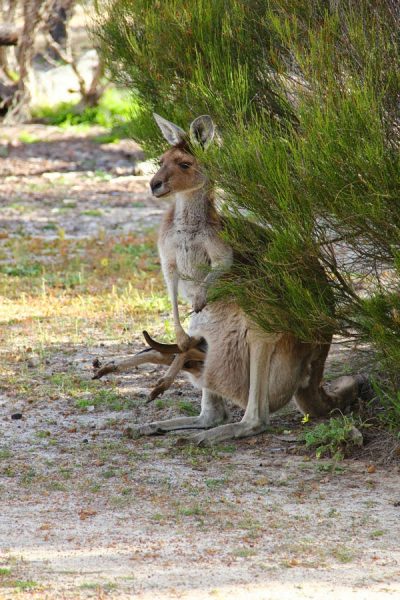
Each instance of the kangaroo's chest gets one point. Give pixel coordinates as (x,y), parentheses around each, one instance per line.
(191,255)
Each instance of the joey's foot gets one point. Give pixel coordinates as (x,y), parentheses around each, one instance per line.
(162,385)
(138,431)
(110,367)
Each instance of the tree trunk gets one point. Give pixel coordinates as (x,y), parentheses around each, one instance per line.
(33,16)
(9,34)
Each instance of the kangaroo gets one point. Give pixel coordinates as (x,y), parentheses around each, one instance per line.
(189,241)
(259,372)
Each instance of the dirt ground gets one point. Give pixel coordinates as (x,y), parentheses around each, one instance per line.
(87,513)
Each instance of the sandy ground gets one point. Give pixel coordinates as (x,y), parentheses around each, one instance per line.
(86,513)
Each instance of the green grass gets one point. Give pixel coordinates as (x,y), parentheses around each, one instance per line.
(27,138)
(105,398)
(113,112)
(19,584)
(343,554)
(93,212)
(187,408)
(334,438)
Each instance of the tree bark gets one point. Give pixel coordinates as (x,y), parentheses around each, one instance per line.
(34,12)
(9,34)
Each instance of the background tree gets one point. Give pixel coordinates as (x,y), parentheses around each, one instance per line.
(306,97)
(35,34)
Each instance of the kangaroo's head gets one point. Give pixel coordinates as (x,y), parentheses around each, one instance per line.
(179,169)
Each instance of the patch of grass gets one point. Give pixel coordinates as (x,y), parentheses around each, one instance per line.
(114,111)
(28,477)
(187,408)
(335,438)
(22,270)
(330,467)
(92,213)
(89,586)
(50,227)
(390,400)
(100,587)
(27,138)
(21,584)
(244,552)
(343,554)
(377,534)
(57,486)
(191,511)
(5,571)
(109,473)
(42,434)
(215,483)
(105,398)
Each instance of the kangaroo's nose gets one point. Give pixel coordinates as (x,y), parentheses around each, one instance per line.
(155,185)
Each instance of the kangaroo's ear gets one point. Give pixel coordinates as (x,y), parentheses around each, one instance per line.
(172,133)
(202,131)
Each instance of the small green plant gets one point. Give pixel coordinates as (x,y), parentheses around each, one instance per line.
(187,408)
(191,511)
(93,212)
(334,438)
(114,111)
(22,270)
(104,398)
(27,138)
(343,554)
(390,400)
(376,534)
(24,585)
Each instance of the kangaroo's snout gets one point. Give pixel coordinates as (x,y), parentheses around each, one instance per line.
(158,187)
(155,185)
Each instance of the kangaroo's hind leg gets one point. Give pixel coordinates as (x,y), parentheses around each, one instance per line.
(256,417)
(213,412)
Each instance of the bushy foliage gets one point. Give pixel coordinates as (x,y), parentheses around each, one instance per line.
(305,95)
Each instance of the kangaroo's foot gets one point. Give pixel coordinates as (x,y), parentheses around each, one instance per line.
(227,432)
(213,413)
(161,427)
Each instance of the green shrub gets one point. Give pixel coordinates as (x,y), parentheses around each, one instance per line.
(305,96)
(333,439)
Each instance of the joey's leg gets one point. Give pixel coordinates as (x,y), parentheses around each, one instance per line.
(167,380)
(256,417)
(213,412)
(141,358)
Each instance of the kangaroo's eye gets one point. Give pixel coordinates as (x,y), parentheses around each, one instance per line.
(185,165)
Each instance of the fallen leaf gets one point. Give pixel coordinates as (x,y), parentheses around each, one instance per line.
(86,513)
